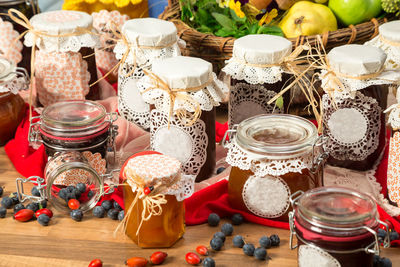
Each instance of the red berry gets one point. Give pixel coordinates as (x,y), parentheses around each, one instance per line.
(44,211)
(202,250)
(73,204)
(23,215)
(146,191)
(158,257)
(192,258)
(136,262)
(96,263)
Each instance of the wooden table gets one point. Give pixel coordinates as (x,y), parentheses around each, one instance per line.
(68,243)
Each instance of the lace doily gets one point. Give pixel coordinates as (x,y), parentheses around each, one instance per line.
(394,118)
(266,197)
(188,144)
(352,125)
(253,75)
(309,256)
(248,100)
(14,85)
(392,52)
(261,167)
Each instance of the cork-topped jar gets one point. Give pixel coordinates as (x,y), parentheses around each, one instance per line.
(154,193)
(62,71)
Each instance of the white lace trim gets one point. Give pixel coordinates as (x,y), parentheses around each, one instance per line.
(253,75)
(310,256)
(246,160)
(63,44)
(207,98)
(392,52)
(352,125)
(14,85)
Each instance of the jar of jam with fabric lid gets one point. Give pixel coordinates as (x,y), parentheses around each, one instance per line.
(272,156)
(153,193)
(82,126)
(335,226)
(12,80)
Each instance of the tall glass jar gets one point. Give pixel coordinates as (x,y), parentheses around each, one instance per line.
(335,226)
(272,156)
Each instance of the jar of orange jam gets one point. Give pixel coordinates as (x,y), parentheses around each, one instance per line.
(272,156)
(153,193)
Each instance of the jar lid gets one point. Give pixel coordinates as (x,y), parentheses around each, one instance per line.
(150,32)
(280,135)
(391,30)
(183,72)
(7,70)
(261,49)
(337,210)
(355,60)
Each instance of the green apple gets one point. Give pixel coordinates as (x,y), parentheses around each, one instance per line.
(355,11)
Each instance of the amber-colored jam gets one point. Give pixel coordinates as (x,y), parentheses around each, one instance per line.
(11,114)
(159,231)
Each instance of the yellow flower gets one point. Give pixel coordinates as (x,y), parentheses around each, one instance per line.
(223,3)
(235,6)
(268,17)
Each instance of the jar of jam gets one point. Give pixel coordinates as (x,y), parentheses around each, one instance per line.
(257,76)
(183,93)
(149,40)
(272,156)
(12,107)
(79,125)
(153,193)
(64,67)
(356,89)
(335,226)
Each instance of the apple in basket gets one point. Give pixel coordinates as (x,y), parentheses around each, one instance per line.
(355,11)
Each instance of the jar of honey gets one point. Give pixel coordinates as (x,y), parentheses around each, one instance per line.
(272,156)
(12,80)
(79,125)
(153,193)
(335,226)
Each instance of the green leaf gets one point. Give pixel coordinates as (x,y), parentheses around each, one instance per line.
(224,21)
(279,102)
(224,32)
(273,30)
(253,28)
(236,18)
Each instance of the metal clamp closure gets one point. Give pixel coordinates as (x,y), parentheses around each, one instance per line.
(109,176)
(229,134)
(34,134)
(322,157)
(22,197)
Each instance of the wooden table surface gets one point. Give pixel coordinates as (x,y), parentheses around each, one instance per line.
(68,243)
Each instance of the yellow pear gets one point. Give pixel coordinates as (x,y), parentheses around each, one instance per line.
(307,18)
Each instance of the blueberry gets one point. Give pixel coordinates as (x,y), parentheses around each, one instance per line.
(43,203)
(238,241)
(113,214)
(227,229)
(394,235)
(216,243)
(1,191)
(6,202)
(260,254)
(213,219)
(248,249)
(76,193)
(117,206)
(385,262)
(99,212)
(81,187)
(220,235)
(63,193)
(90,194)
(3,212)
(220,170)
(208,262)
(106,204)
(15,200)
(275,240)
(376,261)
(43,219)
(33,206)
(265,242)
(70,188)
(381,234)
(18,207)
(237,219)
(76,215)
(121,215)
(35,192)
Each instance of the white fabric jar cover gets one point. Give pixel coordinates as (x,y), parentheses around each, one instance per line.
(12,79)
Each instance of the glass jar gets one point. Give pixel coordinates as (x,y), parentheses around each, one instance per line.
(12,107)
(77,125)
(271,157)
(335,226)
(156,217)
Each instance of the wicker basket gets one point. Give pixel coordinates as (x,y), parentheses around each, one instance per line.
(218,49)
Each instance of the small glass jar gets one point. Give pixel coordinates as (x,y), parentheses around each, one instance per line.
(75,126)
(153,193)
(272,156)
(335,226)
(12,80)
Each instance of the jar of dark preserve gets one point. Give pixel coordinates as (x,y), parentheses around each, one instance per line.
(335,226)
(82,126)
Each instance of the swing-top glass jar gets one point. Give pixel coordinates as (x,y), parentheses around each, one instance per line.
(335,226)
(272,156)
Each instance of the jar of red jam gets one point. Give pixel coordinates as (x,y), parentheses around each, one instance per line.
(335,226)
(272,156)
(79,125)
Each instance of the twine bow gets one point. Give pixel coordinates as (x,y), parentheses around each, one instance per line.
(389,42)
